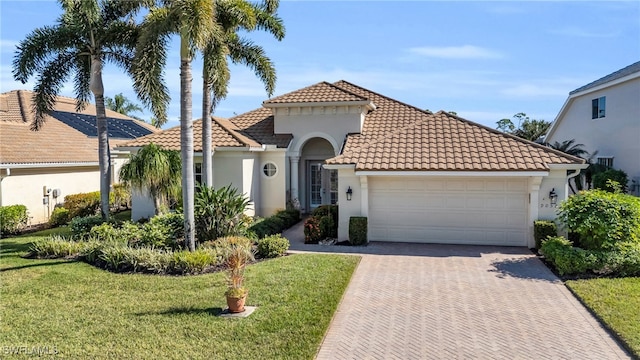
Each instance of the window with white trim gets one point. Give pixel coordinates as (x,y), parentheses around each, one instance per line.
(269,169)
(606,161)
(197,172)
(598,107)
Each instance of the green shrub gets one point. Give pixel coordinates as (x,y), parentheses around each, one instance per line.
(193,262)
(55,246)
(82,205)
(59,217)
(219,213)
(328,227)
(602,219)
(272,246)
(13,218)
(602,180)
(81,226)
(358,230)
(120,197)
(312,231)
(275,224)
(543,229)
(326,210)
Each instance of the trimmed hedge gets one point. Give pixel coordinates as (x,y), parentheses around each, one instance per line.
(59,217)
(358,230)
(83,204)
(542,229)
(13,218)
(272,246)
(275,224)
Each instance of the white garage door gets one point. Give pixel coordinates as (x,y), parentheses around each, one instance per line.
(482,211)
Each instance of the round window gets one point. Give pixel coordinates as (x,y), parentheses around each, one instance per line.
(269,169)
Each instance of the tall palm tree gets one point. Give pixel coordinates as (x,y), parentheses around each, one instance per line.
(122,105)
(194,22)
(89,33)
(234,16)
(156,170)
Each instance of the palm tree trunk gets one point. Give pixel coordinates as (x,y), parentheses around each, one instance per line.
(104,154)
(186,143)
(207,159)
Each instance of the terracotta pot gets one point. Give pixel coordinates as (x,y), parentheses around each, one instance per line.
(236,305)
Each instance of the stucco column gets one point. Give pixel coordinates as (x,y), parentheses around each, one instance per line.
(534,205)
(213,168)
(294,162)
(364,196)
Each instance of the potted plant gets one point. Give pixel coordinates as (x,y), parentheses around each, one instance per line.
(237,252)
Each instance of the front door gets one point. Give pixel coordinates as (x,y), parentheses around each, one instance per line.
(322,186)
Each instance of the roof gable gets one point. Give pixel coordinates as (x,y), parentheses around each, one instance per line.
(322,92)
(631,69)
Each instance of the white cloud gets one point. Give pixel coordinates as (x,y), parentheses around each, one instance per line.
(456,52)
(574,31)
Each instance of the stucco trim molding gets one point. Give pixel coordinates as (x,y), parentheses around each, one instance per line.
(454,173)
(316,134)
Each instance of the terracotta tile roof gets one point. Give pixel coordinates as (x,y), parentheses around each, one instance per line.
(320,92)
(258,125)
(401,137)
(55,142)
(170,138)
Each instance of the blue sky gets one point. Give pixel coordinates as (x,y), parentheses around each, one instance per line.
(484,60)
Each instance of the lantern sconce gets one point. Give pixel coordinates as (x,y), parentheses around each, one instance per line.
(553,197)
(349,193)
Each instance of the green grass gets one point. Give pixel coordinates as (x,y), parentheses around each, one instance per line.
(617,303)
(85,312)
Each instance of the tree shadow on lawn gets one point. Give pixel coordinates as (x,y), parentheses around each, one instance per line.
(184,311)
(37,264)
(7,246)
(529,268)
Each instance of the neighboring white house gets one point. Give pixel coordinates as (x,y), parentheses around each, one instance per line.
(417,176)
(604,115)
(38,168)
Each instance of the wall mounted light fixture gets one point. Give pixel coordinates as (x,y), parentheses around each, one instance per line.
(349,193)
(553,197)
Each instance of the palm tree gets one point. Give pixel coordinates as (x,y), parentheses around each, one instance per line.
(157,170)
(122,105)
(216,73)
(88,33)
(571,148)
(194,21)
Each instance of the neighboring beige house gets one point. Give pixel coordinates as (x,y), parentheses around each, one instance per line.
(604,115)
(38,168)
(417,176)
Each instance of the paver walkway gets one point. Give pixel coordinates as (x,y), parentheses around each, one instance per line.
(418,301)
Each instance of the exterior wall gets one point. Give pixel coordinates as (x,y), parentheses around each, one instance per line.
(25,186)
(616,135)
(347,178)
(273,190)
(556,181)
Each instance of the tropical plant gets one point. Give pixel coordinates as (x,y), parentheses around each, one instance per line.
(233,17)
(571,148)
(156,170)
(89,33)
(219,212)
(236,253)
(122,105)
(528,129)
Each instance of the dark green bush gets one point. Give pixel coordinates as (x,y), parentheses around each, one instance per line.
(602,219)
(326,210)
(272,246)
(13,218)
(358,230)
(602,180)
(276,223)
(543,229)
(59,217)
(312,231)
(82,205)
(219,212)
(81,226)
(328,227)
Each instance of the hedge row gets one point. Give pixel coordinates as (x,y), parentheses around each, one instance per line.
(275,224)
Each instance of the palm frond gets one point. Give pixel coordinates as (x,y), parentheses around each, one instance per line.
(81,80)
(48,85)
(246,52)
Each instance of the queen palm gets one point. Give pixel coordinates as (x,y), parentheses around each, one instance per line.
(234,16)
(122,105)
(88,34)
(154,169)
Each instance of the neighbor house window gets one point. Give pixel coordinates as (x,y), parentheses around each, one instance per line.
(197,172)
(269,169)
(605,161)
(598,107)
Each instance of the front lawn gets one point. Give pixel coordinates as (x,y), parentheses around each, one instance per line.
(84,312)
(617,303)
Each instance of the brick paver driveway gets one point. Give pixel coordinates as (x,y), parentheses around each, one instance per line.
(410,301)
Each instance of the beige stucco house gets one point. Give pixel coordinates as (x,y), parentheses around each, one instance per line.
(38,168)
(417,176)
(604,115)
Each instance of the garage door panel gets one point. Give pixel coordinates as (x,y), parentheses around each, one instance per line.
(490,211)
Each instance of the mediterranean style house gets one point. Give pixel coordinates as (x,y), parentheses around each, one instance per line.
(418,176)
(604,115)
(38,168)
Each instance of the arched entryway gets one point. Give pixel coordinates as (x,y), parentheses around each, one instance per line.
(318,186)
